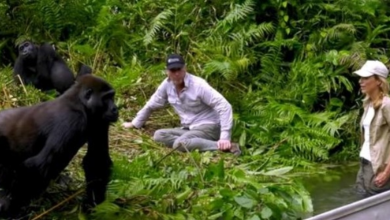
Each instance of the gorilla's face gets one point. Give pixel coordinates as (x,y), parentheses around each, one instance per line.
(28,50)
(98,98)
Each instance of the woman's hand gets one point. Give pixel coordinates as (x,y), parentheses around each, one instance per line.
(381,178)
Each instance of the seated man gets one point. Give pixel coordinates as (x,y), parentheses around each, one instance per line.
(206,116)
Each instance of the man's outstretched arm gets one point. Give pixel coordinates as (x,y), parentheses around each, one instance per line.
(158,100)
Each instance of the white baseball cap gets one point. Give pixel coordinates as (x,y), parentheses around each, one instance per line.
(373,67)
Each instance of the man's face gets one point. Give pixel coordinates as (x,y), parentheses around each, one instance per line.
(176,75)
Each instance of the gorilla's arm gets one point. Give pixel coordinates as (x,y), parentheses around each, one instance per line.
(97,165)
(45,60)
(19,70)
(62,143)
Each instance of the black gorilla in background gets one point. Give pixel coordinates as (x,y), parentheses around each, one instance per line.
(38,142)
(42,67)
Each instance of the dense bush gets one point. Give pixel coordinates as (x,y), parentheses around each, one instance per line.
(284,65)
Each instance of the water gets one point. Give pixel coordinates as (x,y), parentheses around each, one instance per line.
(333,189)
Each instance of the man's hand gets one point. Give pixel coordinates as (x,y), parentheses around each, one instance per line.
(128,125)
(224,145)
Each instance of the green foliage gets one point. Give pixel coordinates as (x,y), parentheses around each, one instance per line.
(275,69)
(213,188)
(285,66)
(14,96)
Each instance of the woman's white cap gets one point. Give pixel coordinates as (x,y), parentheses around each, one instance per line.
(373,67)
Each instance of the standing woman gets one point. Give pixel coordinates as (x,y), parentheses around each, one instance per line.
(374,173)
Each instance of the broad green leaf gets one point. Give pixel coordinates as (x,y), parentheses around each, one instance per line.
(245,202)
(278,172)
(266,212)
(215,216)
(242,140)
(255,217)
(184,195)
(82,216)
(225,192)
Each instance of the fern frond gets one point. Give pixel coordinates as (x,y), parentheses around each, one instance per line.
(336,32)
(157,24)
(237,13)
(254,32)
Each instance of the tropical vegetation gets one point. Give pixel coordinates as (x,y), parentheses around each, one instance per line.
(285,66)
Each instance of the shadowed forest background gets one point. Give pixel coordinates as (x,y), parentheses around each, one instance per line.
(285,66)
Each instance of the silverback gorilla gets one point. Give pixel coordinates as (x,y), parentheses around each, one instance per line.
(42,67)
(38,142)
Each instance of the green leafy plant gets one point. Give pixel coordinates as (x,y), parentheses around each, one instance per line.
(285,66)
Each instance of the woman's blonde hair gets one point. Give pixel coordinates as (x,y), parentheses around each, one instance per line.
(384,87)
